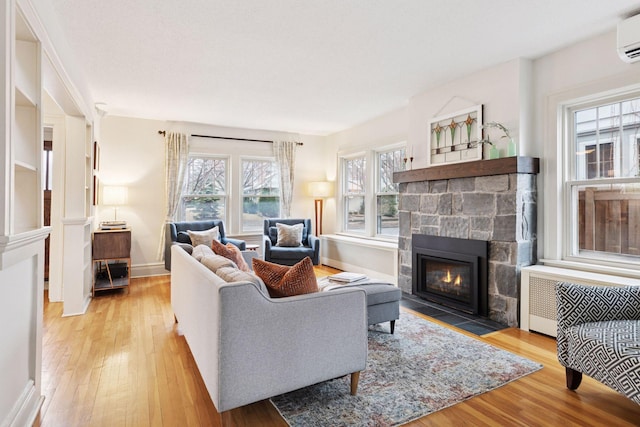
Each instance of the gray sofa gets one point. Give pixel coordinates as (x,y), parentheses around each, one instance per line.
(176,233)
(250,347)
(599,335)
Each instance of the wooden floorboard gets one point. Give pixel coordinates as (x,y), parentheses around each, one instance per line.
(124,364)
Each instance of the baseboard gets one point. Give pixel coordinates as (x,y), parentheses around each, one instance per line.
(26,408)
(148,270)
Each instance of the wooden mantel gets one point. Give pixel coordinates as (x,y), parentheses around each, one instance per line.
(502,166)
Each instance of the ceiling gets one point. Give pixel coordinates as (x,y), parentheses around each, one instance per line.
(305,66)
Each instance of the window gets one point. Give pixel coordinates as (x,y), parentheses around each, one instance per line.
(369,195)
(387,220)
(603,183)
(354,194)
(260,193)
(205,189)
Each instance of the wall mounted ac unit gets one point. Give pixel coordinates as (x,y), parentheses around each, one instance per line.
(538,293)
(629,39)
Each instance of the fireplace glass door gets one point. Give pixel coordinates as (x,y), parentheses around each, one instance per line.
(449,279)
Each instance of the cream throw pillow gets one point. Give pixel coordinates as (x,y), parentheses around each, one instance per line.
(289,235)
(205,237)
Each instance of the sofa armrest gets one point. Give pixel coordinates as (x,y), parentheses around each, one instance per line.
(314,243)
(272,346)
(241,244)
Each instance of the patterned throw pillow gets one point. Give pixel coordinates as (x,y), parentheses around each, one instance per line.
(231,252)
(285,281)
(204,237)
(289,235)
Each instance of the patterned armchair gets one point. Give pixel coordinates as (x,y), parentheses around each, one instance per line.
(599,335)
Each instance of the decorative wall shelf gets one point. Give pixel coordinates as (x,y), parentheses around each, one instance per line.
(507,165)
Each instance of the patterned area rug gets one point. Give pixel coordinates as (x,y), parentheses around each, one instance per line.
(420,369)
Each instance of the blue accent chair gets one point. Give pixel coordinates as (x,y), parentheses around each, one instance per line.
(176,234)
(290,255)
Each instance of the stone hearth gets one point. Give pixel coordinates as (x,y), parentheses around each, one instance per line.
(492,200)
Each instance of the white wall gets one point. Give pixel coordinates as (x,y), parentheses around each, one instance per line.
(132,154)
(499,89)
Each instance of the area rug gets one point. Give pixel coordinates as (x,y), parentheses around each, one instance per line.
(420,369)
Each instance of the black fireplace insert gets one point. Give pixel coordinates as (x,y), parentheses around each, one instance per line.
(451,272)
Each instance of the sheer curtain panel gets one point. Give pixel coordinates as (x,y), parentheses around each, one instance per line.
(175,164)
(285,152)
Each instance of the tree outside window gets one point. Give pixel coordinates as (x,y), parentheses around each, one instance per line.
(260,193)
(387,219)
(205,192)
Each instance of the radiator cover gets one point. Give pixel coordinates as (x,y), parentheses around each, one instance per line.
(538,294)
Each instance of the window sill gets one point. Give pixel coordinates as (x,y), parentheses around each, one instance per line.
(592,268)
(362,240)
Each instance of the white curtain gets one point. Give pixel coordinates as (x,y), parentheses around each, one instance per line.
(175,164)
(285,152)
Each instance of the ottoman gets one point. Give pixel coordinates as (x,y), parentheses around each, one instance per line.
(383,299)
(383,303)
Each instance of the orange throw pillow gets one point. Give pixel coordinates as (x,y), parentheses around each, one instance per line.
(285,281)
(232,252)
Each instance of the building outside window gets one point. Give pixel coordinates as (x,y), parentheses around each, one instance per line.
(260,193)
(205,189)
(354,188)
(387,219)
(603,181)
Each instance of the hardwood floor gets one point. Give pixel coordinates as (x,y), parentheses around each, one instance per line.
(124,364)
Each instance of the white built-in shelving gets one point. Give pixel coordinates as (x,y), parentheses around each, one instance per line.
(24,210)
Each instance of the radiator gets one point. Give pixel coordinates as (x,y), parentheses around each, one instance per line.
(538,295)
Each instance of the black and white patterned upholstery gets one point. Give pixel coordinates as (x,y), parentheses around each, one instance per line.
(598,334)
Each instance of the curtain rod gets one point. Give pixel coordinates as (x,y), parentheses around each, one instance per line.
(162,132)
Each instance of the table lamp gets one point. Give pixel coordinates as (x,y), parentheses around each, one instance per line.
(114,195)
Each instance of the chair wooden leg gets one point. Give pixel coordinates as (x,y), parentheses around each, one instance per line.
(393,325)
(355,377)
(574,378)
(225,419)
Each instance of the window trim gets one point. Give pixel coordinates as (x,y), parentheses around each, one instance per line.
(371,156)
(569,182)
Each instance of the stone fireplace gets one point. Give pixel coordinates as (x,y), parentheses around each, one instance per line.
(487,200)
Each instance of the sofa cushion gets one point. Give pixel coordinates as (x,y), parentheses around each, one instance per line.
(204,237)
(231,274)
(285,281)
(201,251)
(215,262)
(232,252)
(290,253)
(289,235)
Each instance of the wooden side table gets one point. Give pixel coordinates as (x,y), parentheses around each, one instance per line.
(111,259)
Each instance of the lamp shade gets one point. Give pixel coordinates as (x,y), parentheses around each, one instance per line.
(321,189)
(114,195)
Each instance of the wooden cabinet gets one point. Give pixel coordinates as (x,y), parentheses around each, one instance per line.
(111,259)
